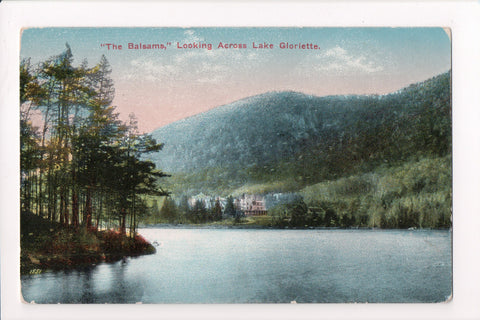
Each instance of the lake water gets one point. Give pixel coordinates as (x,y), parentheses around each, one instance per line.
(263,266)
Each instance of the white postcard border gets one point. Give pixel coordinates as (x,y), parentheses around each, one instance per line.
(463,18)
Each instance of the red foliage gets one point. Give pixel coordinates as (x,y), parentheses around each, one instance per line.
(113,241)
(112,235)
(139,240)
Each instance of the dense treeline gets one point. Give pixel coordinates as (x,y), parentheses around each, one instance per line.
(412,195)
(415,194)
(185,213)
(80,165)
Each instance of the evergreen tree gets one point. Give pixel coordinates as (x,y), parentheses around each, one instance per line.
(217,211)
(84,160)
(169,212)
(230,207)
(183,209)
(199,212)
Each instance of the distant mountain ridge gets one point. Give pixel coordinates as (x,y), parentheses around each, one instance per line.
(253,130)
(308,138)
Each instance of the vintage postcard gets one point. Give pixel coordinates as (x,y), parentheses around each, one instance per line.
(214,165)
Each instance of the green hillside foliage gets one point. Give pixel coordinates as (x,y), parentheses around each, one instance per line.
(412,195)
(415,194)
(285,141)
(356,161)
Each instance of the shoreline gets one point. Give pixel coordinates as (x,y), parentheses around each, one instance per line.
(261,227)
(35,262)
(46,245)
(57,249)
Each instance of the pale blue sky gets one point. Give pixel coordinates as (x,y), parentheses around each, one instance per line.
(164,86)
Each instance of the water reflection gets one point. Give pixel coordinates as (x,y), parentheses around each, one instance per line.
(88,296)
(241,266)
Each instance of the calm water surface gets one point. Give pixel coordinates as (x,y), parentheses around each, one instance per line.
(263,266)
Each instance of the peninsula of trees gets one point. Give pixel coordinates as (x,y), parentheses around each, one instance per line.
(83,178)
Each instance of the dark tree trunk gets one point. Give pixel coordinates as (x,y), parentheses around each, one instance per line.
(75,211)
(122,223)
(88,209)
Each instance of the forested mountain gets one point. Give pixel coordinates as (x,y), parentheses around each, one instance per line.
(304,139)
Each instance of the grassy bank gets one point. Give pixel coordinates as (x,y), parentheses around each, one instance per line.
(47,245)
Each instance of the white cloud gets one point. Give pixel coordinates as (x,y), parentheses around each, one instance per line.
(147,69)
(190,36)
(191,66)
(203,65)
(339,60)
(211,73)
